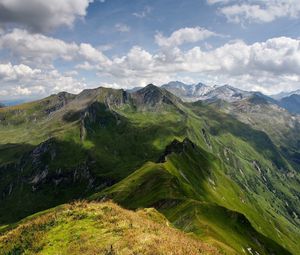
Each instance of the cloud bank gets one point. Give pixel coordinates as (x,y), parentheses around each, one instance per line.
(268,66)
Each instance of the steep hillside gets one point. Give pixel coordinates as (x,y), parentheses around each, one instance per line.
(263,114)
(149,149)
(99,228)
(190,187)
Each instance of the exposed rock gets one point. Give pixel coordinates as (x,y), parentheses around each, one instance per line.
(176,147)
(206,138)
(48,147)
(39,177)
(56,102)
(256,165)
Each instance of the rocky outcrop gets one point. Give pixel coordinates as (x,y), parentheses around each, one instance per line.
(176,147)
(206,138)
(37,170)
(56,102)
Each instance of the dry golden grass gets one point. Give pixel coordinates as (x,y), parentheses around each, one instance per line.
(99,228)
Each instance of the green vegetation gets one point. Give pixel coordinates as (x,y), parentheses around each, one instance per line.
(99,228)
(229,180)
(190,188)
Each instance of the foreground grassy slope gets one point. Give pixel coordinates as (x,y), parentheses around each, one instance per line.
(99,228)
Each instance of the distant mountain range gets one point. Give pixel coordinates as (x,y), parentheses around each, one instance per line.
(191,93)
(291,103)
(201,91)
(4,103)
(286,94)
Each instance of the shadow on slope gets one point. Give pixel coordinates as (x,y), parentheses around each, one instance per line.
(103,148)
(182,178)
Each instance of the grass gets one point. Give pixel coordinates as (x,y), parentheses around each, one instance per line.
(99,228)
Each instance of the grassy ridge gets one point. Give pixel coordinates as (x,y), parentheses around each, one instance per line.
(99,228)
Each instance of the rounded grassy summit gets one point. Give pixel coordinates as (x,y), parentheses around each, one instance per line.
(99,228)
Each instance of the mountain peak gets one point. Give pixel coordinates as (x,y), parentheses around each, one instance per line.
(150,86)
(151,96)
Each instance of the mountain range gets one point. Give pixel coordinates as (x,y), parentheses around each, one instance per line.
(191,93)
(222,171)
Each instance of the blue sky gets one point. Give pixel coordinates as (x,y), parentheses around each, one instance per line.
(70,45)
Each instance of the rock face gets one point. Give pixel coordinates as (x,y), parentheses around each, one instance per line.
(56,102)
(176,147)
(37,168)
(46,177)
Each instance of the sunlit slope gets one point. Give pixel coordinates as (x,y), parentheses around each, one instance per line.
(99,228)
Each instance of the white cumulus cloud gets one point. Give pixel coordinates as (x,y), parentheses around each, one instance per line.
(268,66)
(38,49)
(183,35)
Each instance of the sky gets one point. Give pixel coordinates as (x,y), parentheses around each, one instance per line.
(70,45)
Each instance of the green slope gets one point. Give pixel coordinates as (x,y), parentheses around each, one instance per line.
(99,228)
(71,146)
(190,188)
